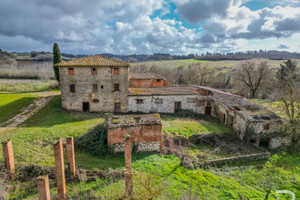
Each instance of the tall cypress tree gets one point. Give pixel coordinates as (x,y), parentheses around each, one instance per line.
(56,59)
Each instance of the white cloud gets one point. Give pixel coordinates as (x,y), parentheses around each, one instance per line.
(127,26)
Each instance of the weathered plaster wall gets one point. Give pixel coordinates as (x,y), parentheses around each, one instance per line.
(84,80)
(167,106)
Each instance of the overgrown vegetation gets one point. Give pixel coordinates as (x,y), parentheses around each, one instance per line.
(288,92)
(94,142)
(167,178)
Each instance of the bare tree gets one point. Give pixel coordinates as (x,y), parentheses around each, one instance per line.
(288,92)
(252,77)
(197,74)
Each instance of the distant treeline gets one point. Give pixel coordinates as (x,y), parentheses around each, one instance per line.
(272,55)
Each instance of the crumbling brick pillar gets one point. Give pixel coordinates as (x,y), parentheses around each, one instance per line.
(128,171)
(71,155)
(9,157)
(60,170)
(43,187)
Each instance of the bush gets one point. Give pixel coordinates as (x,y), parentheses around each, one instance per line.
(93,142)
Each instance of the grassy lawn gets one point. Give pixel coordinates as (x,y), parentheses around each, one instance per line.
(11,85)
(33,145)
(187,127)
(275,106)
(12,104)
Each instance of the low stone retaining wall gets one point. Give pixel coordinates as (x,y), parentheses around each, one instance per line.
(251,157)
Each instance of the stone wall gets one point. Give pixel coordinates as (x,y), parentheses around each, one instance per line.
(101,100)
(167,106)
(239,125)
(259,128)
(138,147)
(275,142)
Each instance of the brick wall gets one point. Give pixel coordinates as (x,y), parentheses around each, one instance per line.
(148,83)
(143,136)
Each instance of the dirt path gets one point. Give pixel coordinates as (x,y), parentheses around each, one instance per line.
(27,111)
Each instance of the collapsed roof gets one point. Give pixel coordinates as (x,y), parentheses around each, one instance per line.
(235,103)
(117,121)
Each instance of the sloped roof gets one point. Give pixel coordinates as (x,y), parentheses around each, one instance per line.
(239,104)
(162,91)
(145,75)
(94,60)
(226,99)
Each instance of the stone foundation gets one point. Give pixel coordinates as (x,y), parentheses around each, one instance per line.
(138,147)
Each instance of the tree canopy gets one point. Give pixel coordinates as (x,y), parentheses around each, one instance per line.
(56,59)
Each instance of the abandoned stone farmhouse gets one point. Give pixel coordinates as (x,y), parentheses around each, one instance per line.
(101,84)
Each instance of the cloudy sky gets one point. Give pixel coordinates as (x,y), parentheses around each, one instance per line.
(150,26)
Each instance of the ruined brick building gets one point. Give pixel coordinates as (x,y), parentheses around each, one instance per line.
(144,131)
(101,84)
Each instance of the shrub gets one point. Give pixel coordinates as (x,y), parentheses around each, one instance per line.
(93,142)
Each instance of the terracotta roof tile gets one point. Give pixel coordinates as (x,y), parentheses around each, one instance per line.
(162,91)
(94,60)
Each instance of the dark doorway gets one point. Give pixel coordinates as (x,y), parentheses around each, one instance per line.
(85,106)
(264,142)
(177,106)
(117,108)
(208,110)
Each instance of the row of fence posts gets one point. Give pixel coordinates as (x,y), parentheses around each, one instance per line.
(43,181)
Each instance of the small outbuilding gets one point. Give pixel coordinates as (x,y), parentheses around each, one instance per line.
(147,79)
(145,132)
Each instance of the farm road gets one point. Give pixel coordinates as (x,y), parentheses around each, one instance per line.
(42,100)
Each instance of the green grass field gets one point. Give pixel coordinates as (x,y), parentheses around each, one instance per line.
(12,104)
(11,85)
(33,144)
(187,127)
(220,66)
(275,106)
(171,63)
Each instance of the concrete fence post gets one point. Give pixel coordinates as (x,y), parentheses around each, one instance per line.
(71,155)
(128,171)
(9,157)
(43,187)
(60,170)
